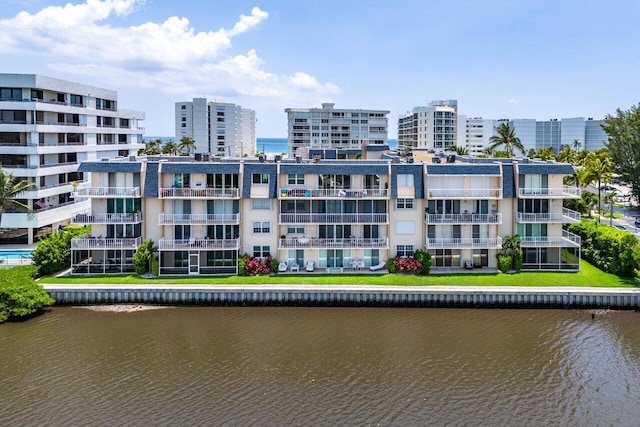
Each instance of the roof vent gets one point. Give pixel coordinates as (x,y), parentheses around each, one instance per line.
(104,159)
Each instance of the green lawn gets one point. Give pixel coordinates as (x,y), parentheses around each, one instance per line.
(587,276)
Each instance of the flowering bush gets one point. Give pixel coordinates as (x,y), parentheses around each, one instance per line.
(254,266)
(408,265)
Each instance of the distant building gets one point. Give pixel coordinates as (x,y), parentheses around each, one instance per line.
(349,131)
(218,128)
(47,127)
(476,135)
(432,127)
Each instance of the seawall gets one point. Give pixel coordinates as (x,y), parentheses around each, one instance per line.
(351,296)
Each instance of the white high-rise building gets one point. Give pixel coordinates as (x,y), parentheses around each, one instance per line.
(432,127)
(47,127)
(477,134)
(219,128)
(329,127)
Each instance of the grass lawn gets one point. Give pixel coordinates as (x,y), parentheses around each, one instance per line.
(587,276)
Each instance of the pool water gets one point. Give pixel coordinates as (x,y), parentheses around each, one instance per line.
(15,254)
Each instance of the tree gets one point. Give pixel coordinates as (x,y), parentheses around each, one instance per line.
(170,148)
(623,131)
(10,188)
(506,137)
(576,145)
(545,154)
(151,148)
(598,169)
(53,253)
(590,201)
(187,144)
(566,155)
(20,295)
(461,151)
(511,247)
(143,257)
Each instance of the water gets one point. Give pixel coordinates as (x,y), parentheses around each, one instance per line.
(15,254)
(321,366)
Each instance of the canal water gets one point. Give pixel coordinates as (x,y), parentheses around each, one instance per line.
(321,366)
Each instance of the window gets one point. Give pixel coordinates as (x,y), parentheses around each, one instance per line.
(260,178)
(11,94)
(405,180)
(183,107)
(404,250)
(261,251)
(261,227)
(261,204)
(295,179)
(292,229)
(404,203)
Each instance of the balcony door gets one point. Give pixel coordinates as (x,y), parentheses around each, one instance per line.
(194,263)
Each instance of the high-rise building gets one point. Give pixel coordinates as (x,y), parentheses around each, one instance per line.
(219,128)
(477,133)
(349,131)
(47,127)
(432,127)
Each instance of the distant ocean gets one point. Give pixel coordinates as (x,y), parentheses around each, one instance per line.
(268,145)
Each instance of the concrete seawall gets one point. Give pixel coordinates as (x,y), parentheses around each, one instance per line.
(352,296)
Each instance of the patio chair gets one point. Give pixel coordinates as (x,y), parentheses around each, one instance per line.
(310,266)
(379,266)
(282,267)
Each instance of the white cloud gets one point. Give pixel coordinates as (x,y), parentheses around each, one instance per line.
(513,101)
(170,56)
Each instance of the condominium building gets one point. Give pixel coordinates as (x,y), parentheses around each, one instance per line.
(432,127)
(475,133)
(219,128)
(327,215)
(47,127)
(349,131)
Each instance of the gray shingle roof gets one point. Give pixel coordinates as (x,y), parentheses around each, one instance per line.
(151,180)
(545,168)
(463,169)
(200,167)
(124,166)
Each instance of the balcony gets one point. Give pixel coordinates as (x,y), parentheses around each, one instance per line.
(198,243)
(334,218)
(107,218)
(322,243)
(464,243)
(564,192)
(324,193)
(567,216)
(199,193)
(108,192)
(567,240)
(170,219)
(105,243)
(477,193)
(464,218)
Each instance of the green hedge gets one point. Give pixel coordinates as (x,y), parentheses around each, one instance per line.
(54,251)
(504,262)
(20,295)
(611,250)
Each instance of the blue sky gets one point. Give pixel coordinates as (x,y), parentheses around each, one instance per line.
(500,59)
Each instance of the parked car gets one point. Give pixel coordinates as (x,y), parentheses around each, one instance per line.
(637,223)
(620,227)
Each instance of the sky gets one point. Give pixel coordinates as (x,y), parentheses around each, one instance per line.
(538,59)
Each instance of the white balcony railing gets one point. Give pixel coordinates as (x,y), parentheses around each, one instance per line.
(334,218)
(464,218)
(464,243)
(565,192)
(317,242)
(566,216)
(323,193)
(200,193)
(164,219)
(105,243)
(468,193)
(107,218)
(567,240)
(108,192)
(198,243)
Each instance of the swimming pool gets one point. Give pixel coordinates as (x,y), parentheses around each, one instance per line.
(17,254)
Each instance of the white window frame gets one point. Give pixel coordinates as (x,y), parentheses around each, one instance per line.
(405,251)
(261,227)
(404,203)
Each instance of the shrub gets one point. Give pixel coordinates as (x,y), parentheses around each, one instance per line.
(408,265)
(254,266)
(54,251)
(504,262)
(155,266)
(20,295)
(391,265)
(425,259)
(242,262)
(274,265)
(143,256)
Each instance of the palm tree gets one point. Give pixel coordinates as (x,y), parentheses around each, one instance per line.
(511,247)
(170,148)
(599,169)
(590,200)
(151,148)
(545,154)
(10,188)
(576,145)
(461,151)
(506,137)
(187,144)
(566,155)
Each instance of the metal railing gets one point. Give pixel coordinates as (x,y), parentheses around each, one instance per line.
(109,192)
(105,243)
(164,218)
(567,215)
(335,218)
(468,193)
(107,218)
(349,242)
(323,193)
(198,243)
(464,218)
(464,243)
(562,192)
(566,240)
(206,193)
